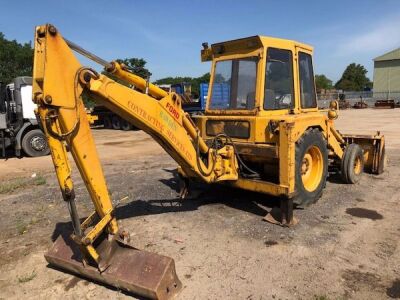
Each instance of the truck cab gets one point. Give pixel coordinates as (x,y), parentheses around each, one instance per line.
(19,127)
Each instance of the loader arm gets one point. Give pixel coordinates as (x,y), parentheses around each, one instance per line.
(59,82)
(168,124)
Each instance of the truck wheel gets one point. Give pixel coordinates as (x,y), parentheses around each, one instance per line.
(34,143)
(125,125)
(311,167)
(116,123)
(352,165)
(107,122)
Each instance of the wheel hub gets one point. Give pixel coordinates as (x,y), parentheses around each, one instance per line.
(357,166)
(306,165)
(312,168)
(38,143)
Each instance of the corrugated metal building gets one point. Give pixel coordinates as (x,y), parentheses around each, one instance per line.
(387,75)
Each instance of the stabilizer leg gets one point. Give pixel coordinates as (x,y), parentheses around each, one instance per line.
(282,215)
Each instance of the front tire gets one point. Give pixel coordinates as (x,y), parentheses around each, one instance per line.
(34,143)
(352,165)
(311,167)
(382,162)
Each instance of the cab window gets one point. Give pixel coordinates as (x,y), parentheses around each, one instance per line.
(234,84)
(306,76)
(278,92)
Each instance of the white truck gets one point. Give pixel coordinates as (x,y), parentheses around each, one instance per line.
(19,128)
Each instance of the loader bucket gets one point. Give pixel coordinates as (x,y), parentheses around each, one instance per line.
(138,272)
(374,151)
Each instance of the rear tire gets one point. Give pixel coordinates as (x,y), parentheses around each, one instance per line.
(311,167)
(116,123)
(107,122)
(125,125)
(352,165)
(34,143)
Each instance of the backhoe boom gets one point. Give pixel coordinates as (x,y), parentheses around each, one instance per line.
(59,82)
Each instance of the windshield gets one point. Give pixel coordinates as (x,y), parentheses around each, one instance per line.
(234,84)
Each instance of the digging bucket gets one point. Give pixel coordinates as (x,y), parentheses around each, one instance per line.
(138,272)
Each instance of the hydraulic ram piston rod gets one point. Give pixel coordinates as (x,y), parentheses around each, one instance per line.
(87,54)
(120,71)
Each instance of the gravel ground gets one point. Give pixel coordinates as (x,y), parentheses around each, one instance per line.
(344,247)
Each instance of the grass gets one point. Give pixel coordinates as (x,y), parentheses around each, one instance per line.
(27,277)
(21,227)
(34,220)
(8,187)
(39,180)
(18,183)
(320,297)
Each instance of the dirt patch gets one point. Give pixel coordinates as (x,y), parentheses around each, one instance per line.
(270,243)
(221,247)
(113,143)
(356,280)
(364,213)
(394,290)
(128,144)
(72,283)
(124,144)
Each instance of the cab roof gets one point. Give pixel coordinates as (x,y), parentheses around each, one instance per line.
(249,44)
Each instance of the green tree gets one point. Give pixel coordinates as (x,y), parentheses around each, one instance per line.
(15,59)
(354,79)
(322,82)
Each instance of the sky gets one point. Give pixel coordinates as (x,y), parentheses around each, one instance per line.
(169,34)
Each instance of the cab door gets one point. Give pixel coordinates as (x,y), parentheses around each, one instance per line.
(305,82)
(279,93)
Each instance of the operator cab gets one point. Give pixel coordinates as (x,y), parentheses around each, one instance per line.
(254,81)
(259,74)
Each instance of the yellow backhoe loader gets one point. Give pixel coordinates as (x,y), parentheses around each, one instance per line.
(261,131)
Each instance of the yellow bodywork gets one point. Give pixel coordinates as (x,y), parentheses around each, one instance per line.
(59,81)
(92,118)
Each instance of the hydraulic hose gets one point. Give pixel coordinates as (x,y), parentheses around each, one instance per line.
(241,162)
(214,158)
(215,146)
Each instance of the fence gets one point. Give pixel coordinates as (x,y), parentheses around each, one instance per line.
(368,97)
